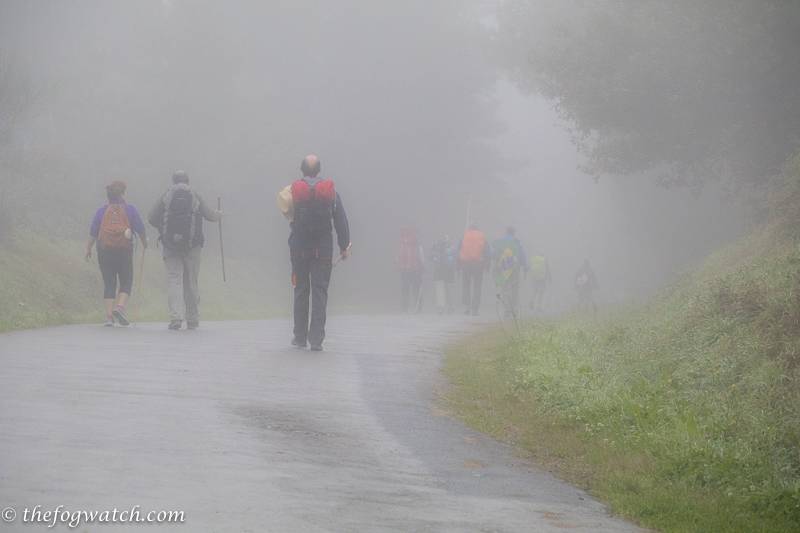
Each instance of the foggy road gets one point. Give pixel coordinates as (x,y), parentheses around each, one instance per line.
(243,433)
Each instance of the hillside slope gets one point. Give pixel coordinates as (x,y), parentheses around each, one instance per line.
(684,414)
(46,282)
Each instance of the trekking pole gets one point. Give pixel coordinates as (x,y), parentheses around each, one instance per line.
(141,266)
(221,245)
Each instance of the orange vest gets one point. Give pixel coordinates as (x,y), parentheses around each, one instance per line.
(472,246)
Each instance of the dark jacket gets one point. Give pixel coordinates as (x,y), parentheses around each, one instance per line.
(585,279)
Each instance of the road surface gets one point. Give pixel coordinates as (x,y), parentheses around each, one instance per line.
(245,434)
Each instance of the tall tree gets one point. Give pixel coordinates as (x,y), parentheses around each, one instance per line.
(691,90)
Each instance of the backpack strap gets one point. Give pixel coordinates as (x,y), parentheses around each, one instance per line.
(166,200)
(301,191)
(326,190)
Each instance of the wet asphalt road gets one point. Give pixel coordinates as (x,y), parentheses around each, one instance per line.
(245,434)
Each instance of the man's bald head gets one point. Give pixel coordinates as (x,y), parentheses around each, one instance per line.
(310,165)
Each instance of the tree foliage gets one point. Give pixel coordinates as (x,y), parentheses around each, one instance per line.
(691,90)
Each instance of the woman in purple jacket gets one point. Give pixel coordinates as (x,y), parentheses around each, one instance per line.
(113,228)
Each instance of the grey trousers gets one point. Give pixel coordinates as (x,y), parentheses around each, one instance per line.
(183,269)
(444,297)
(410,285)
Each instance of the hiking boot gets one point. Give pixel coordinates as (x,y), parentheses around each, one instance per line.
(316,347)
(298,343)
(192,324)
(175,325)
(122,318)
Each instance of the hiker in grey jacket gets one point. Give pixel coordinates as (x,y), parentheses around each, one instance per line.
(178,215)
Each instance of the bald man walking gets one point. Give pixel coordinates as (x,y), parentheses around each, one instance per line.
(317,211)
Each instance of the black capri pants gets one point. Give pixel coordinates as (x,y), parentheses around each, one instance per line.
(116,263)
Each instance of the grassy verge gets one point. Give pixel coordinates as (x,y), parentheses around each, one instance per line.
(47,282)
(683,415)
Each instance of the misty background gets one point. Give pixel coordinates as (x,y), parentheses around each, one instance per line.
(413,107)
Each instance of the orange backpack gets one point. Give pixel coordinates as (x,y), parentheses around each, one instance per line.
(472,246)
(113,228)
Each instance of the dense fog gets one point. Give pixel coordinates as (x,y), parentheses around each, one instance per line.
(408,104)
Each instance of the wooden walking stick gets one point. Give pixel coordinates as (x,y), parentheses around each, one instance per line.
(221,246)
(141,266)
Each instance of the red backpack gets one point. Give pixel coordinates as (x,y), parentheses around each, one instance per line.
(313,206)
(113,227)
(409,258)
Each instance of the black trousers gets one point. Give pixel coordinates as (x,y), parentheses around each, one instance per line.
(472,275)
(115,263)
(410,285)
(311,273)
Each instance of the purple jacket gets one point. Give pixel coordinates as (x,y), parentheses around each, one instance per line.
(133,217)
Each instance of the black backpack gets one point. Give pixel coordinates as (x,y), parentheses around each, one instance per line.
(179,221)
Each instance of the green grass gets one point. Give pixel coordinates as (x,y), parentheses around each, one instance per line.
(47,282)
(683,415)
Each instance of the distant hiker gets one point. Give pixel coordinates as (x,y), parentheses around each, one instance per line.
(316,210)
(509,263)
(585,285)
(179,215)
(473,259)
(540,275)
(411,260)
(113,228)
(443,258)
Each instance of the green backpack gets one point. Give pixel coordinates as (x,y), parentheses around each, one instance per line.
(506,259)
